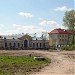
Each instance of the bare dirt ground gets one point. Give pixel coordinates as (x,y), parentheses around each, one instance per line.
(63,62)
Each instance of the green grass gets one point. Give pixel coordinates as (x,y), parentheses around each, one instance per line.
(9,65)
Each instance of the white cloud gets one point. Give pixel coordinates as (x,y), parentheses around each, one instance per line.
(45,26)
(15,25)
(63,8)
(24,29)
(50,23)
(27,15)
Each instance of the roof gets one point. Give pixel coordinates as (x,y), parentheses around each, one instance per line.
(36,38)
(60,31)
(9,37)
(17,37)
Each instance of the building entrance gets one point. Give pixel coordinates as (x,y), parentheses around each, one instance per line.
(25,43)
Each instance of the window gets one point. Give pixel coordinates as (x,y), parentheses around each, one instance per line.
(5,44)
(60,40)
(22,45)
(62,35)
(40,44)
(36,38)
(18,44)
(13,38)
(66,36)
(4,37)
(33,44)
(10,44)
(65,40)
(37,44)
(44,44)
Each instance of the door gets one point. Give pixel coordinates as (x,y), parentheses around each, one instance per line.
(25,43)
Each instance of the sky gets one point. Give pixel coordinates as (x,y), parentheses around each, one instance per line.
(32,16)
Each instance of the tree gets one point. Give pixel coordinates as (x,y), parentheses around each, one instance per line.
(69,22)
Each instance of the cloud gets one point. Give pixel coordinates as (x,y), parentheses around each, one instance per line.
(15,25)
(44,26)
(15,29)
(47,22)
(27,15)
(63,8)
(50,24)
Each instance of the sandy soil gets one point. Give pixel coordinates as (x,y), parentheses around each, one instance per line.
(63,63)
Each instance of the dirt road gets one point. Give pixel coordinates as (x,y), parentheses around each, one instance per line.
(63,63)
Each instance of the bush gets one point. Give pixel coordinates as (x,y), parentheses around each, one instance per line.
(68,47)
(73,47)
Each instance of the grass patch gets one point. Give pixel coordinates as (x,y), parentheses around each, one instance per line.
(9,65)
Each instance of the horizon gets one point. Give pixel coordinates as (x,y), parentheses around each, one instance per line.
(30,16)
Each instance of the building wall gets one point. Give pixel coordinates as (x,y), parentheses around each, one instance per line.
(40,44)
(20,43)
(10,43)
(53,39)
(64,38)
(58,39)
(50,40)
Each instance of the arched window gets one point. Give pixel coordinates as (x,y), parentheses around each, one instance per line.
(5,44)
(18,44)
(9,44)
(40,44)
(13,38)
(37,44)
(22,45)
(43,44)
(26,43)
(33,44)
(4,37)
